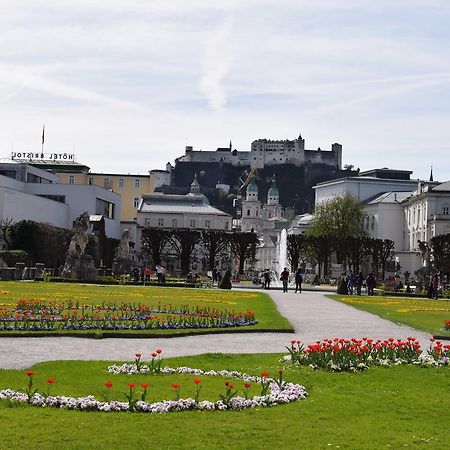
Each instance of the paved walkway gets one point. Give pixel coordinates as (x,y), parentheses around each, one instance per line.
(312,314)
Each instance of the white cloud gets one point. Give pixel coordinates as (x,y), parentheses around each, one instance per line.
(131,82)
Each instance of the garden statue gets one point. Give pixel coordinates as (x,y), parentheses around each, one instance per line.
(80,236)
(123,250)
(124,260)
(79,265)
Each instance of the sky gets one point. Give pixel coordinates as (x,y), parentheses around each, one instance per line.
(127,84)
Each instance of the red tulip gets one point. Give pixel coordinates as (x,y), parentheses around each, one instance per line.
(144,385)
(108,384)
(197,380)
(29,373)
(131,385)
(50,380)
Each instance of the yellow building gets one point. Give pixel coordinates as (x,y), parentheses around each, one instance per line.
(131,187)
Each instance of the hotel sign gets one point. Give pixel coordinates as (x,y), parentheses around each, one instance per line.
(43,156)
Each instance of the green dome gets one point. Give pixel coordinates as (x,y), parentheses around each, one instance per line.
(273,191)
(252,187)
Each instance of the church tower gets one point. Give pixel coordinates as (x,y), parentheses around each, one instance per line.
(251,208)
(273,206)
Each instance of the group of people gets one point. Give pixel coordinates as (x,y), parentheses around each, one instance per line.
(144,274)
(266,279)
(355,283)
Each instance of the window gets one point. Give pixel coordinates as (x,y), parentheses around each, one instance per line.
(106,183)
(121,182)
(71,179)
(248,212)
(372,223)
(147,222)
(137,183)
(160,222)
(226,225)
(91,180)
(192,223)
(207,224)
(174,223)
(136,202)
(446,210)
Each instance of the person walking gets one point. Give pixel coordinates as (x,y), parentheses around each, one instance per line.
(284,277)
(298,280)
(267,279)
(371,283)
(350,283)
(435,286)
(359,280)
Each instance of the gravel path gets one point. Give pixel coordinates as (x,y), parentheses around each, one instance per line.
(312,314)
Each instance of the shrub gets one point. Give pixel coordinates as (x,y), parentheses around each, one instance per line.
(342,287)
(225,283)
(11,257)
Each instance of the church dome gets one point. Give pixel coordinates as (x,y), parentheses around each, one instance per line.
(273,191)
(252,187)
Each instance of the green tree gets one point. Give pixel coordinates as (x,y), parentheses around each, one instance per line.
(153,241)
(243,247)
(297,245)
(440,251)
(214,242)
(382,252)
(320,248)
(339,217)
(183,242)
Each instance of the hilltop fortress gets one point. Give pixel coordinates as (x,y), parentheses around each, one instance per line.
(266,152)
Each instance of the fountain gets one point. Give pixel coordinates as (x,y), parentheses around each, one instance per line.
(282,253)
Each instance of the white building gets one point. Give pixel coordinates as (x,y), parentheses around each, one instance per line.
(266,220)
(405,211)
(27,192)
(266,152)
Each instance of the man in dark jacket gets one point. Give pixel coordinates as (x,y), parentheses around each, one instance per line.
(298,280)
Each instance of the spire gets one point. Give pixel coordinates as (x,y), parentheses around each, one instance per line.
(231,147)
(195,186)
(431,173)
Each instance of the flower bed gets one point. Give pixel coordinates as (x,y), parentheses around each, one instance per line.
(273,392)
(38,315)
(358,354)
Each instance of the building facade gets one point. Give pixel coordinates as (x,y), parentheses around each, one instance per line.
(27,192)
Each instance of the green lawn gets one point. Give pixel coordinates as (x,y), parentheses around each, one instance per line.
(422,314)
(265,310)
(397,407)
